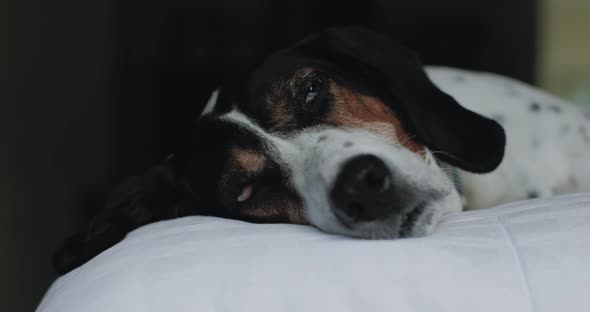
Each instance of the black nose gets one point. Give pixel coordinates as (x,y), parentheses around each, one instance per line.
(363,190)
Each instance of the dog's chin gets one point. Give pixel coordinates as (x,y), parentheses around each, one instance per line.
(415,222)
(418,221)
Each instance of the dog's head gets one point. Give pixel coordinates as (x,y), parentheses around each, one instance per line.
(341,131)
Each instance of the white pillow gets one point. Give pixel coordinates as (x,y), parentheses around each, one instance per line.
(527,256)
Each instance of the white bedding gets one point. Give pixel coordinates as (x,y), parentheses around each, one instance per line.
(527,256)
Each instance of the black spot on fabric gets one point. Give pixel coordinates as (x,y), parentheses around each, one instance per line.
(499,118)
(348,144)
(535,143)
(532,194)
(587,114)
(535,107)
(555,108)
(322,138)
(459,78)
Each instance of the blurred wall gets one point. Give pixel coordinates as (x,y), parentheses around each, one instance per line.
(54,133)
(564,48)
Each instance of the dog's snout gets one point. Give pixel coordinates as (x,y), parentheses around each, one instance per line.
(363,190)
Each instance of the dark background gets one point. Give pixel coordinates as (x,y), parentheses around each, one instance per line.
(93,90)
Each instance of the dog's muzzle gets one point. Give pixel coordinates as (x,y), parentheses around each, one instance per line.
(353,182)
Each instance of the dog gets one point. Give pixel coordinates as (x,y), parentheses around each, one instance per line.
(346,131)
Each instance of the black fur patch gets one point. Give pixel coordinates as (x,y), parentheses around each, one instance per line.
(152,196)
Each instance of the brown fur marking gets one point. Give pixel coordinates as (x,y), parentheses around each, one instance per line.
(247,160)
(355,110)
(349,109)
(287,209)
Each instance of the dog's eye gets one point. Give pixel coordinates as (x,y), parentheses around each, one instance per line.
(246,193)
(312,89)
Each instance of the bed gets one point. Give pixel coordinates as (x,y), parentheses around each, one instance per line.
(524,256)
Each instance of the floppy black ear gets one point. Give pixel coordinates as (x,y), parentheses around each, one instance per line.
(467,140)
(155,195)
